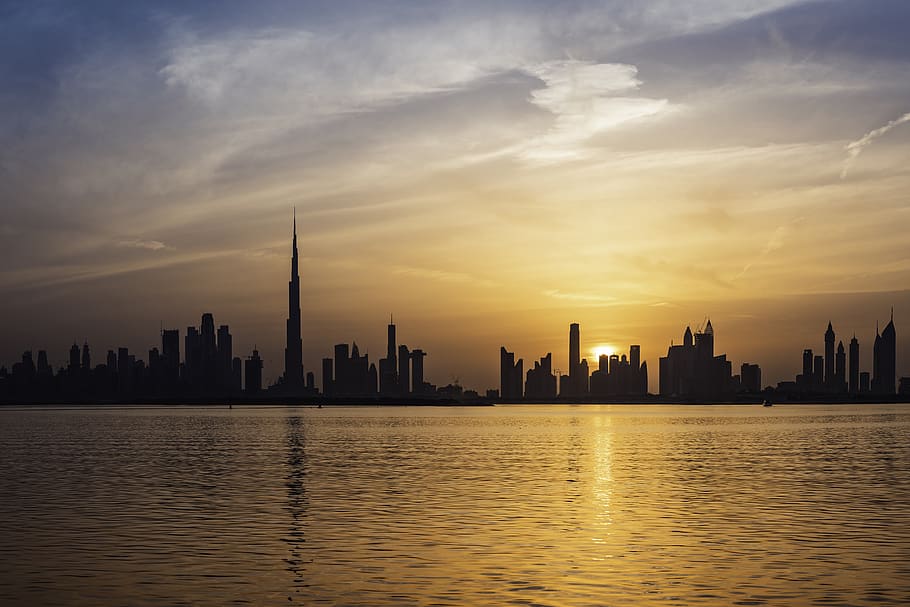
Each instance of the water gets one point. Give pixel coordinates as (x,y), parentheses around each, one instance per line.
(529,505)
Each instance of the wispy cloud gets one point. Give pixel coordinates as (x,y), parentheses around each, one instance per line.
(775,242)
(854,148)
(584,298)
(587,99)
(151,245)
(443,276)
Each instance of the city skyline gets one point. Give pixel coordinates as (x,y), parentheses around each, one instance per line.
(487,173)
(208,369)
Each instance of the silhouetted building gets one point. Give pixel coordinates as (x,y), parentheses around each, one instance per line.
(192,346)
(124,371)
(510,375)
(207,365)
(209,376)
(311,382)
(864,384)
(541,383)
(86,357)
(839,383)
(372,380)
(225,357)
(807,362)
(353,376)
(236,381)
(388,366)
(293,352)
(577,386)
(884,359)
(154,372)
(750,378)
(404,369)
(417,357)
(854,366)
(74,358)
(327,376)
(253,373)
(620,376)
(828,379)
(692,370)
(170,358)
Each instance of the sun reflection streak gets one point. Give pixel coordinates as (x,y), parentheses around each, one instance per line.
(602,486)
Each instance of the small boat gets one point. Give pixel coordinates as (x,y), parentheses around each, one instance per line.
(767,403)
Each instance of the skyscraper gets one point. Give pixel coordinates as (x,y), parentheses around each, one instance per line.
(417,357)
(404,369)
(839,384)
(541,383)
(192,346)
(328,369)
(388,366)
(74,358)
(293,352)
(86,357)
(875,386)
(574,347)
(578,372)
(887,359)
(854,366)
(829,357)
(750,376)
(209,349)
(253,372)
(807,362)
(510,375)
(225,357)
(170,357)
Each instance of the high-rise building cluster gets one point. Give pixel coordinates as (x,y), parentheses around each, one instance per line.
(400,373)
(615,375)
(692,370)
(209,368)
(835,374)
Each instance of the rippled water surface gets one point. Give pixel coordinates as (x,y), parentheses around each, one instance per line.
(536,505)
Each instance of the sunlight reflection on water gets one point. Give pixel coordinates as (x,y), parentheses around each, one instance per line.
(532,505)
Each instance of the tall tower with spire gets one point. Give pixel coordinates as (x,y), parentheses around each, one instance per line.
(853,383)
(293,352)
(888,358)
(829,356)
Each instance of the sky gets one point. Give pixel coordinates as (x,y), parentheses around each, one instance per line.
(488,172)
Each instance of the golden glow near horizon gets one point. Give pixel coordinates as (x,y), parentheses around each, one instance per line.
(602,350)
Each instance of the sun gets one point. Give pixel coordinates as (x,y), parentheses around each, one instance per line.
(602,349)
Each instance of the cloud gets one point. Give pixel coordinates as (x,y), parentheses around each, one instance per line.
(854,148)
(776,242)
(151,245)
(443,276)
(587,99)
(585,298)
